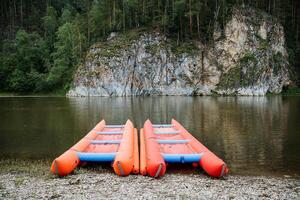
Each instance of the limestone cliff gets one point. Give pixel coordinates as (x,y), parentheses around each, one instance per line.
(248,57)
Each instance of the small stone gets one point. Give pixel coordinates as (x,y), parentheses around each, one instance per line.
(111,36)
(55,196)
(74,182)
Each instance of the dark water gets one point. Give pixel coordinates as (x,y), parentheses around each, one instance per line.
(254,135)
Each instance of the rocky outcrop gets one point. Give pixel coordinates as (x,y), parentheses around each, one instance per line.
(248,57)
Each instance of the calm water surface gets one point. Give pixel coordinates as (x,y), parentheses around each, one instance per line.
(254,135)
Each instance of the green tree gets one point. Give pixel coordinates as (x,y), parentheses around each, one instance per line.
(66,16)
(24,62)
(7,63)
(68,52)
(50,25)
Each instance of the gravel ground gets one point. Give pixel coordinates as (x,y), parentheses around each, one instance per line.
(22,181)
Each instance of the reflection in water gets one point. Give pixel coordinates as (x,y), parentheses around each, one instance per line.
(252,134)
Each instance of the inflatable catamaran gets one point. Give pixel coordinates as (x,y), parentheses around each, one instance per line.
(105,143)
(172,143)
(159,144)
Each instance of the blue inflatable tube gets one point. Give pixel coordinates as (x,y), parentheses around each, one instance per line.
(182,158)
(96,157)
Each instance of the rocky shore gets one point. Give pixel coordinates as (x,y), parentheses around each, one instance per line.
(24,180)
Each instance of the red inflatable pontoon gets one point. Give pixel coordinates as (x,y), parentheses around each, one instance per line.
(117,144)
(172,143)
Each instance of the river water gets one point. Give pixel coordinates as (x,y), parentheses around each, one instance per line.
(253,135)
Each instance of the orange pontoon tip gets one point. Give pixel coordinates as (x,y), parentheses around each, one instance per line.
(105,143)
(172,143)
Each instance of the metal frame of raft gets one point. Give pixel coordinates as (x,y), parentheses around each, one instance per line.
(171,143)
(105,143)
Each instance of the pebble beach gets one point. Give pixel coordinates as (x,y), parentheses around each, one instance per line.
(23,180)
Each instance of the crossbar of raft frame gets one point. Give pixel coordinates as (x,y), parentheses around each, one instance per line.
(162,125)
(109,132)
(172,141)
(181,158)
(96,157)
(166,132)
(105,141)
(114,126)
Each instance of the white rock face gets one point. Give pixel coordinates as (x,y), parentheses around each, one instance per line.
(263,31)
(251,59)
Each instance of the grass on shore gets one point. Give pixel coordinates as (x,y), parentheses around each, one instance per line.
(294,90)
(291,91)
(57,93)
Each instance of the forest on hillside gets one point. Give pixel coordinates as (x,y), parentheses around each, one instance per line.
(43,41)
